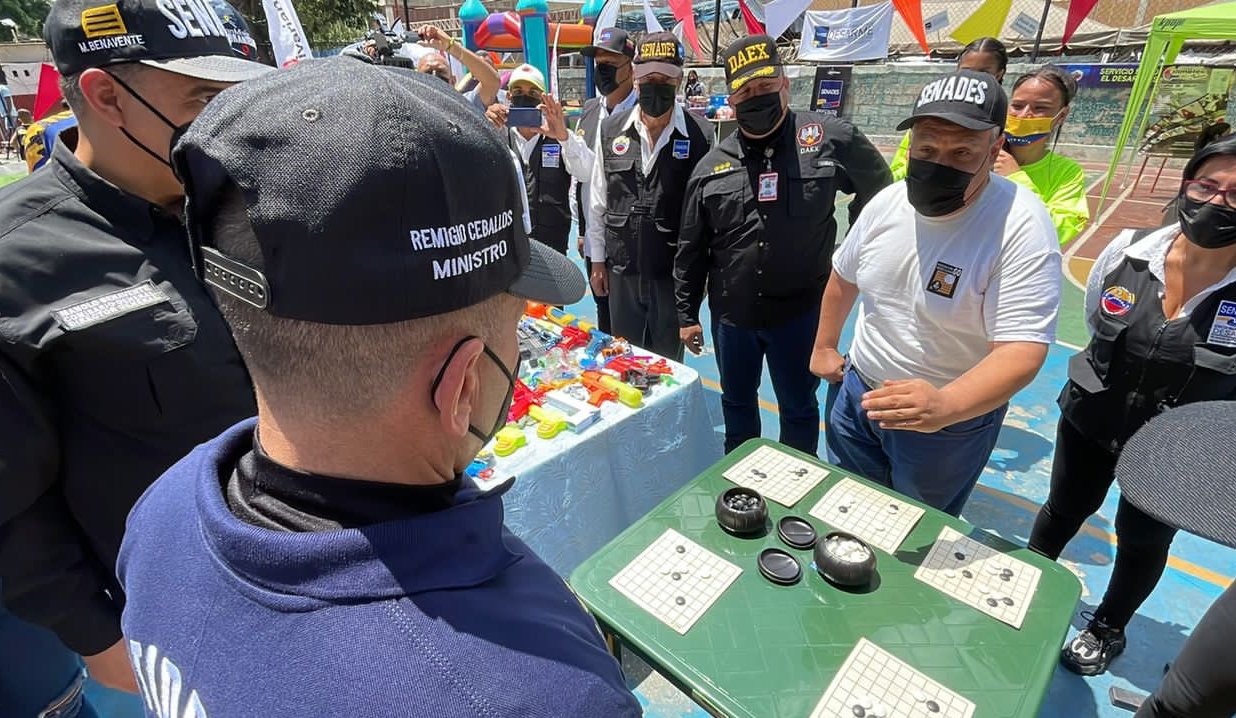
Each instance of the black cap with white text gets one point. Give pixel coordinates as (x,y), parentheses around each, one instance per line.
(371,230)
(973,100)
(204,39)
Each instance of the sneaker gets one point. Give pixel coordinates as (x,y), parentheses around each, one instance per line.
(1093,648)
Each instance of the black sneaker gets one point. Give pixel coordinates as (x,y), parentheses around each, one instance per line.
(1092,649)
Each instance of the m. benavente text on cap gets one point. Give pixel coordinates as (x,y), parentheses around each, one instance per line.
(954,89)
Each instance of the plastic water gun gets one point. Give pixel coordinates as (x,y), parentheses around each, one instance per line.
(632,372)
(596,381)
(559,317)
(597,340)
(550,422)
(508,440)
(536,310)
(522,402)
(573,338)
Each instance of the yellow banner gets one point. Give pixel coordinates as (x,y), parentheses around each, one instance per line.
(987,21)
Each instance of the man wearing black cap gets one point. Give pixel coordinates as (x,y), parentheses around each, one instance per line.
(645,156)
(615,85)
(115,361)
(340,562)
(758,227)
(959,272)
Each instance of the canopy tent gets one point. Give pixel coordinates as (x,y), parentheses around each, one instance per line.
(1168,34)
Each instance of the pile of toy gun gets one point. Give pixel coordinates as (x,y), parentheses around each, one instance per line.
(568,369)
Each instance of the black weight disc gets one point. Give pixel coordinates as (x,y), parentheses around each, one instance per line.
(779,567)
(796,532)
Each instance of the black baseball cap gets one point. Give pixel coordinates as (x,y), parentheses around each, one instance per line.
(206,39)
(358,230)
(973,100)
(749,58)
(1180,469)
(611,39)
(658,52)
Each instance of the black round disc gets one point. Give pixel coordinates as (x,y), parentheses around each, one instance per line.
(779,567)
(796,532)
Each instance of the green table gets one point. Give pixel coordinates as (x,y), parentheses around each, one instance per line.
(766,651)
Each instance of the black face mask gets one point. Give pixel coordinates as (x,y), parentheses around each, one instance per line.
(506,403)
(524,101)
(605,77)
(1207,225)
(177,130)
(934,189)
(761,114)
(656,100)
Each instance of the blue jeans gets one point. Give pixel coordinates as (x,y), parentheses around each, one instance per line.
(740,361)
(40,677)
(939,469)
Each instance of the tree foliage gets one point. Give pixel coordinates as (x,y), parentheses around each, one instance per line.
(29,16)
(328,23)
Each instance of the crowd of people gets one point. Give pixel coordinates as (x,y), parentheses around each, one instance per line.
(336,381)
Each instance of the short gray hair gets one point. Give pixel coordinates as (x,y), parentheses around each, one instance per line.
(324,371)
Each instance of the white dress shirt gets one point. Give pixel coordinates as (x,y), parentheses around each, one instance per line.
(587,153)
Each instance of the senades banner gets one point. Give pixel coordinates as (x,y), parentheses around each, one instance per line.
(830,89)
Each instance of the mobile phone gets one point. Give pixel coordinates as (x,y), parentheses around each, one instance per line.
(523,117)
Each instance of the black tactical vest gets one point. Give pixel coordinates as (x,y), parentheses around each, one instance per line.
(549,192)
(1138,363)
(643,213)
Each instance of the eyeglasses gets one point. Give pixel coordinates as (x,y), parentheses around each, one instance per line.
(1203,191)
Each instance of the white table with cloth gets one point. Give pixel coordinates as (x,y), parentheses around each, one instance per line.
(575,492)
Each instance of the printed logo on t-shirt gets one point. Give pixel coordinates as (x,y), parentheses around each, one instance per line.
(1223,328)
(944,280)
(1117,301)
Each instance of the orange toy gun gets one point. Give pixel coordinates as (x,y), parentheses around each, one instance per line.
(602,387)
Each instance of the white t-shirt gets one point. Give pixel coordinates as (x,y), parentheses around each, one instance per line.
(935,291)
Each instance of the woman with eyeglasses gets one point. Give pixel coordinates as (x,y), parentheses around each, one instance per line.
(1037,109)
(1161,305)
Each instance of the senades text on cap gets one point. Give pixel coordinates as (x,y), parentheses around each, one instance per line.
(973,100)
(187,37)
(368,230)
(659,53)
(750,58)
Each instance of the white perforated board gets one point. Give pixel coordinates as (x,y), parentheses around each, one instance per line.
(874,684)
(676,580)
(880,519)
(776,475)
(980,576)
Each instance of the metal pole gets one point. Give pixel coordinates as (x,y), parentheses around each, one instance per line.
(1038,37)
(716,31)
(407,17)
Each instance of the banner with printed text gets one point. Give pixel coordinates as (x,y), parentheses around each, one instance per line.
(287,37)
(1190,99)
(852,35)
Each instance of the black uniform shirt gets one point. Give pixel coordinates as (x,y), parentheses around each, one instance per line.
(766,262)
(114,363)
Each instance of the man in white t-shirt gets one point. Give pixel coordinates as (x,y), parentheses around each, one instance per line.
(959,274)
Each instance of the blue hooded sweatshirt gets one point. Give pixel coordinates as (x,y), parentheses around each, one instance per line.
(441,614)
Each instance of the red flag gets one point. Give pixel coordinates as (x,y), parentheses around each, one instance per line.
(48,97)
(686,15)
(753,25)
(912,12)
(1078,10)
